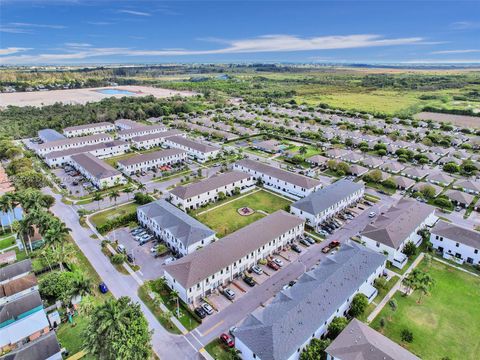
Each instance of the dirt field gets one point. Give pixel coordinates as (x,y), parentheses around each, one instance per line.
(81,96)
(460,120)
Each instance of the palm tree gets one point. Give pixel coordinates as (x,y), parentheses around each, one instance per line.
(56,233)
(141,187)
(63,253)
(114,194)
(426,282)
(26,229)
(16,229)
(128,190)
(303,150)
(98,197)
(174,298)
(7,203)
(81,284)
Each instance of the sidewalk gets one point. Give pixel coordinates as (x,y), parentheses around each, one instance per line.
(393,290)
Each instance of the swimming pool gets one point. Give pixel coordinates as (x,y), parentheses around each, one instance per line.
(116,92)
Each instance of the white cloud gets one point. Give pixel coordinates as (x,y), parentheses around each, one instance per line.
(262,44)
(464,51)
(74,44)
(133,12)
(12,50)
(465,25)
(440,61)
(30,25)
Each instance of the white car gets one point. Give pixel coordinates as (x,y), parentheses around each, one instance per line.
(372,214)
(208,309)
(278,262)
(169,260)
(257,269)
(154,249)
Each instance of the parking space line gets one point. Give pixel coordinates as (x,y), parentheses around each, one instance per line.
(211,329)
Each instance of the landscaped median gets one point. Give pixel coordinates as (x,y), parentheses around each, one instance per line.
(163,295)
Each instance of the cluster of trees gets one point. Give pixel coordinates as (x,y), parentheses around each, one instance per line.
(420,281)
(467,167)
(339,167)
(64,285)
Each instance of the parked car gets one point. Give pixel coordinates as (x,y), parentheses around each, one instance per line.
(232,330)
(304,242)
(130,258)
(368,203)
(249,281)
(154,248)
(310,240)
(200,312)
(273,266)
(227,340)
(229,293)
(372,214)
(296,248)
(257,269)
(208,308)
(326,249)
(168,260)
(103,288)
(323,233)
(278,262)
(121,249)
(333,244)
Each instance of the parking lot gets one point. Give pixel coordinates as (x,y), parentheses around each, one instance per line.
(73,182)
(150,267)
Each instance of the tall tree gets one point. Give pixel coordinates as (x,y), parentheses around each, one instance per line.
(98,197)
(117,329)
(114,194)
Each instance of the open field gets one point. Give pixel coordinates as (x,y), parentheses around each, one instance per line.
(101,217)
(81,96)
(225,218)
(445,323)
(460,120)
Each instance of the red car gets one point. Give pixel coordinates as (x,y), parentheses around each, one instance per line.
(273,266)
(227,340)
(334,244)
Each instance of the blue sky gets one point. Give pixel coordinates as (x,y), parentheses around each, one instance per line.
(141,31)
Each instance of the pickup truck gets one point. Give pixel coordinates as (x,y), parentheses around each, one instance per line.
(333,244)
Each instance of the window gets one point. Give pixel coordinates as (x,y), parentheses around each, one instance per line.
(457,244)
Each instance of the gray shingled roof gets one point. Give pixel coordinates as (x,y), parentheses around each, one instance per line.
(96,167)
(138,129)
(42,348)
(13,309)
(150,156)
(18,268)
(460,197)
(88,126)
(205,148)
(212,183)
(322,199)
(415,172)
(184,227)
(398,222)
(73,140)
(50,135)
(197,266)
(360,342)
(83,149)
(289,177)
(163,134)
(457,233)
(278,330)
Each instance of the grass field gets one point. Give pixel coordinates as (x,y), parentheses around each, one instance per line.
(113,160)
(100,218)
(7,241)
(445,323)
(219,351)
(225,219)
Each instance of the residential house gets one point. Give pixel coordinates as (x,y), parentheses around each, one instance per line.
(421,185)
(392,167)
(151,160)
(202,272)
(196,150)
(456,242)
(65,144)
(402,182)
(278,180)
(203,192)
(284,327)
(47,135)
(440,178)
(15,271)
(181,232)
(45,347)
(98,172)
(140,131)
(415,172)
(88,129)
(400,224)
(318,160)
(372,162)
(357,170)
(153,140)
(127,124)
(469,186)
(459,198)
(325,203)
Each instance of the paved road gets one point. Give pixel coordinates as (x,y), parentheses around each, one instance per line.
(166,345)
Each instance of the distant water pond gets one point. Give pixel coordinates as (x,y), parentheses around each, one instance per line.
(116,92)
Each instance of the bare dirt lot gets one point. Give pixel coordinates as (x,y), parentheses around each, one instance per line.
(459,120)
(82,96)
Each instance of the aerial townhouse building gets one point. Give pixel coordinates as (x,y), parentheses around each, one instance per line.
(70,143)
(283,328)
(140,131)
(151,160)
(456,242)
(99,173)
(196,150)
(127,124)
(45,347)
(278,180)
(181,233)
(203,192)
(100,150)
(202,272)
(400,224)
(88,129)
(47,135)
(153,140)
(325,203)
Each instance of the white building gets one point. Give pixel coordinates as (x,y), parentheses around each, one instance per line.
(202,272)
(127,124)
(98,172)
(283,328)
(453,241)
(100,150)
(88,129)
(153,140)
(196,150)
(65,144)
(325,203)
(278,180)
(181,232)
(140,131)
(203,192)
(400,224)
(151,160)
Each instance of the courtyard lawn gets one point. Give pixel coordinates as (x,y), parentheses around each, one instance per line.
(225,219)
(445,323)
(101,217)
(219,351)
(7,241)
(112,161)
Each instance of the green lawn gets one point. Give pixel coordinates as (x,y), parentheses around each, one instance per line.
(113,160)
(219,351)
(381,294)
(445,323)
(225,218)
(70,335)
(7,241)
(101,217)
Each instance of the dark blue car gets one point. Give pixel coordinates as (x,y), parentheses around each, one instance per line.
(103,288)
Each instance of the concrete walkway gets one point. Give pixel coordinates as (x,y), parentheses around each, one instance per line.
(394,289)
